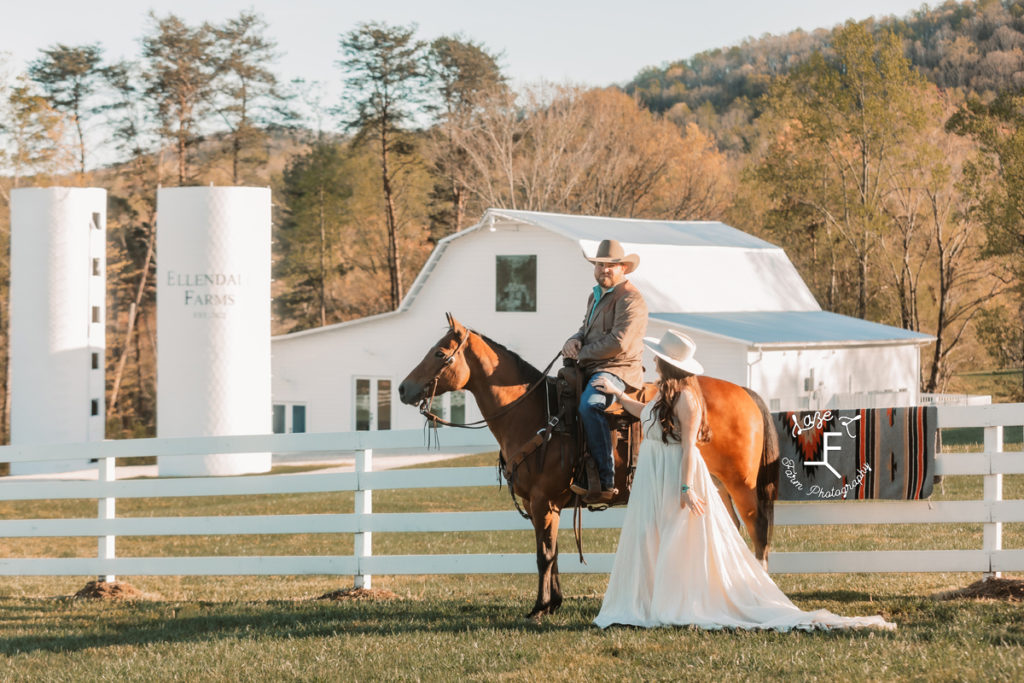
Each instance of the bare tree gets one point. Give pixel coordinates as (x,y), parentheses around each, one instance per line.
(594,152)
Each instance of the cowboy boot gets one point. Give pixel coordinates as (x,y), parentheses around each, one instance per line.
(602,498)
(597,494)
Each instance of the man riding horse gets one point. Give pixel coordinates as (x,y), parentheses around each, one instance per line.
(608,344)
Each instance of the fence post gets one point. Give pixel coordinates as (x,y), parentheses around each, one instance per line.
(363,506)
(993,492)
(107,473)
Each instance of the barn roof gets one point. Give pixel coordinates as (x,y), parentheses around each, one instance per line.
(728,282)
(638,231)
(684,265)
(786,328)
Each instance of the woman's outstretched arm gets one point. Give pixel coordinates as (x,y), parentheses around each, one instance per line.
(632,407)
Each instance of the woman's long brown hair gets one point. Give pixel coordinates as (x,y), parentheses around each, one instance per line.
(672,383)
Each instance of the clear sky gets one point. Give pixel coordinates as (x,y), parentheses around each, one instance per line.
(592,42)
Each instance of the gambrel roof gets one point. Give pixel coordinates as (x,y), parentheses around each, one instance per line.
(593,229)
(685,266)
(704,275)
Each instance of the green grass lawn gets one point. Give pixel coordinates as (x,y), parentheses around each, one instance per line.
(472,627)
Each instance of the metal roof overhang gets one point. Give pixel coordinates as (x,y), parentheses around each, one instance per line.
(803,329)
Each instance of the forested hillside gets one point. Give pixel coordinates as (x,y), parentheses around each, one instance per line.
(977,47)
(886,156)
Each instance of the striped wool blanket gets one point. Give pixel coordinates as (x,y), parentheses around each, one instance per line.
(886,453)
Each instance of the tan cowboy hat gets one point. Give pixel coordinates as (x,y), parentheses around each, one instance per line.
(676,348)
(610,251)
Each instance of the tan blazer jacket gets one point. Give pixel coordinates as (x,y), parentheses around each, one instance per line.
(613,340)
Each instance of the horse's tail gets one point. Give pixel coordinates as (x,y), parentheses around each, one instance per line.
(767,475)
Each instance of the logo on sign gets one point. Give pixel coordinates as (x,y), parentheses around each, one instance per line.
(813,424)
(203,291)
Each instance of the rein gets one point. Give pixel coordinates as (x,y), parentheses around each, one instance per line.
(481,423)
(509,468)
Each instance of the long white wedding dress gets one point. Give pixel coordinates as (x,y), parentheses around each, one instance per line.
(676,568)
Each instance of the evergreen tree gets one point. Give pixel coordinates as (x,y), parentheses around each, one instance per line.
(249,99)
(461,72)
(384,67)
(314,193)
(69,77)
(180,69)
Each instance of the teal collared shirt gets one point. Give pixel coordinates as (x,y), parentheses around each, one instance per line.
(598,293)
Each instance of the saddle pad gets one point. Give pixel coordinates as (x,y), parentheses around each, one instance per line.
(885,453)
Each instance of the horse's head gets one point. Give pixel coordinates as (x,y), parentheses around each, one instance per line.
(443,369)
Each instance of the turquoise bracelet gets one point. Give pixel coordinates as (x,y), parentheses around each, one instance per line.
(684,488)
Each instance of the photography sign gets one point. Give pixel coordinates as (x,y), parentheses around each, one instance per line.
(885,453)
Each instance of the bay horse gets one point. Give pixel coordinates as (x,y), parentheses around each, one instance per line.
(742,455)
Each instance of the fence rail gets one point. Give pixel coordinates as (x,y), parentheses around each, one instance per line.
(991,511)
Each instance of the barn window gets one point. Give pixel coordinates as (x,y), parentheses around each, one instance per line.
(516,283)
(298,419)
(289,419)
(458,405)
(450,407)
(372,404)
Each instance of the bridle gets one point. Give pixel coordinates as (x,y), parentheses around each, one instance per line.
(543,434)
(424,406)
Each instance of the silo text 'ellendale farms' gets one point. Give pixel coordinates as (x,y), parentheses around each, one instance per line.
(58,267)
(213,322)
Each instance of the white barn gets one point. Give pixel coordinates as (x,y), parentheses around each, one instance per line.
(520,278)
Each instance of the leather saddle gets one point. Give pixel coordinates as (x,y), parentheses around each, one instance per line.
(625,432)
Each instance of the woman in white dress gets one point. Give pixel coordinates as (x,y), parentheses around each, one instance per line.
(680,559)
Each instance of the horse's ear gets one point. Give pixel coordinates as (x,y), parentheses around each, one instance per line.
(455,326)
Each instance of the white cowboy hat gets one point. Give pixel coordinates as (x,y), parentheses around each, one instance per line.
(610,251)
(675,348)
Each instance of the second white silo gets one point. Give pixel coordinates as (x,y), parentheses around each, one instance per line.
(213,322)
(57,340)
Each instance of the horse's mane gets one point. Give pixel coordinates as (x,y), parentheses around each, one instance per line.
(530,373)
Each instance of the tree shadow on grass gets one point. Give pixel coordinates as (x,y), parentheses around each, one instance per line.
(70,626)
(67,625)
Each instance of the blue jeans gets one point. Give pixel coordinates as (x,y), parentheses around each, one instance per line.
(595,426)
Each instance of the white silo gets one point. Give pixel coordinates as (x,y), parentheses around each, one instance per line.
(213,322)
(57,340)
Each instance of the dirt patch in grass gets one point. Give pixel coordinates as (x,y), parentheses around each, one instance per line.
(360,594)
(114,590)
(1009,589)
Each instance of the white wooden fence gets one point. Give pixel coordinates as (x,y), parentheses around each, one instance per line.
(992,511)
